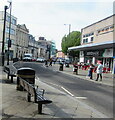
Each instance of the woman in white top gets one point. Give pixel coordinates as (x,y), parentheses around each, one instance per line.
(99,71)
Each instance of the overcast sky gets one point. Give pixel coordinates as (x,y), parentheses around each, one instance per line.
(46,18)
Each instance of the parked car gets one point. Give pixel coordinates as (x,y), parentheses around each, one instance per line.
(27,57)
(33,59)
(40,59)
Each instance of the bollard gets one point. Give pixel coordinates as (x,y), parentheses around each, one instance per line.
(27,74)
(75,69)
(61,67)
(66,64)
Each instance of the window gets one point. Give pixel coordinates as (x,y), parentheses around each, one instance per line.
(14,21)
(102,30)
(111,27)
(8,18)
(83,40)
(99,31)
(83,35)
(86,40)
(7,40)
(92,33)
(7,30)
(92,39)
(12,31)
(107,29)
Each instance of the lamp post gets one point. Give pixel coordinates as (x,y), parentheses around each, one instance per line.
(69,34)
(3,38)
(69,28)
(9,40)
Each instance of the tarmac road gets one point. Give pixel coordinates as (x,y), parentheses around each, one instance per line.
(95,95)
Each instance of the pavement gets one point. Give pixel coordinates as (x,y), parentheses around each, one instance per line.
(83,74)
(14,103)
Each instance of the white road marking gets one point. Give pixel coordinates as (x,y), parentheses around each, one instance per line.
(67,91)
(81,98)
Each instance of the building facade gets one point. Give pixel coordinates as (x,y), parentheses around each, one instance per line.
(22,40)
(97,42)
(12,34)
(33,46)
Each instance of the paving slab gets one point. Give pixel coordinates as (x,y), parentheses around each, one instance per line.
(15,105)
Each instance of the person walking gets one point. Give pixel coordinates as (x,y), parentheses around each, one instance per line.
(99,71)
(50,62)
(90,72)
(46,63)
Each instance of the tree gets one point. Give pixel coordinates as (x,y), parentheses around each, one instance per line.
(73,39)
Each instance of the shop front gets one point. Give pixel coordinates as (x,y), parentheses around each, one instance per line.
(104,55)
(97,52)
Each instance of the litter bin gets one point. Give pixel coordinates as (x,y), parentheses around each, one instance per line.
(61,67)
(27,74)
(75,69)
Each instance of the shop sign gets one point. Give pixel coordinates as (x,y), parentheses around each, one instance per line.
(93,53)
(108,53)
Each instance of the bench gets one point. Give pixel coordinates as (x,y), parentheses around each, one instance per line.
(38,94)
(10,72)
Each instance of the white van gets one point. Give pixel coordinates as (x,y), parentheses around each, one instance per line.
(27,57)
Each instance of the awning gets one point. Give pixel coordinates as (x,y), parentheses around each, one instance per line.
(94,46)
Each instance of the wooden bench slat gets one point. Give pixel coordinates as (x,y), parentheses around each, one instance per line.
(10,72)
(37,93)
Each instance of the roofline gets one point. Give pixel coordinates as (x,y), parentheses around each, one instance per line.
(108,44)
(98,21)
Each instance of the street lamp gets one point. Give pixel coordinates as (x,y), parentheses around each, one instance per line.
(9,40)
(3,39)
(69,28)
(69,34)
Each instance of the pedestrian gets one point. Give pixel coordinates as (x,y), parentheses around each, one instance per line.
(46,63)
(99,71)
(50,62)
(90,71)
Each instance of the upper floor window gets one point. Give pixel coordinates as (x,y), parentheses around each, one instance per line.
(86,40)
(92,39)
(105,30)
(8,18)
(83,40)
(13,21)
(12,31)
(88,35)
